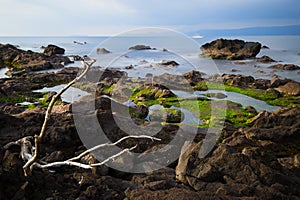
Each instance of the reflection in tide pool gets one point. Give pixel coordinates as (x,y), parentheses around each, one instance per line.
(2,73)
(69,96)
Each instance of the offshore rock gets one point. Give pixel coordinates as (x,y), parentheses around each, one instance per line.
(231,49)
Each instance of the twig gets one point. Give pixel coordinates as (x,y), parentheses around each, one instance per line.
(81,165)
(113,156)
(38,138)
(112,144)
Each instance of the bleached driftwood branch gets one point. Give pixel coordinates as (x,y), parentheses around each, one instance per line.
(30,153)
(72,162)
(38,138)
(81,165)
(113,144)
(27,148)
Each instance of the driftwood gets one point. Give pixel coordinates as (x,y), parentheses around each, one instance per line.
(30,153)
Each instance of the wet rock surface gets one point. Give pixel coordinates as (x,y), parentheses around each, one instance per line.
(21,62)
(258,160)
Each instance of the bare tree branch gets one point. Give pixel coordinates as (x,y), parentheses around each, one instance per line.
(113,156)
(30,153)
(112,144)
(38,138)
(81,165)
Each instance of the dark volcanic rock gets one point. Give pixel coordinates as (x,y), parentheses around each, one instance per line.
(24,84)
(285,67)
(283,123)
(265,47)
(169,63)
(52,50)
(249,163)
(19,61)
(238,80)
(231,49)
(257,162)
(179,82)
(265,59)
(129,67)
(140,47)
(193,77)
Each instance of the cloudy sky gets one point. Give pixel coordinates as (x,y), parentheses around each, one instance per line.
(110,17)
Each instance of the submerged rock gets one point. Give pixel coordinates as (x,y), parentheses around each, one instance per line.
(231,49)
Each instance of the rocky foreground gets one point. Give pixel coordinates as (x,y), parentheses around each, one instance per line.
(254,158)
(260,161)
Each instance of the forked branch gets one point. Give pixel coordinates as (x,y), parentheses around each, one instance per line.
(38,138)
(30,153)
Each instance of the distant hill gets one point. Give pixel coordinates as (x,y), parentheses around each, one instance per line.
(272,30)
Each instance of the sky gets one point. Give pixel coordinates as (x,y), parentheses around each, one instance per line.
(111,17)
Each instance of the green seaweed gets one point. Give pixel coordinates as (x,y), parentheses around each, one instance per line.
(267,96)
(13,99)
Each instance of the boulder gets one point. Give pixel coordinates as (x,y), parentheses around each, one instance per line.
(140,47)
(193,77)
(265,59)
(154,92)
(231,49)
(102,51)
(168,115)
(291,88)
(285,67)
(169,63)
(238,80)
(129,67)
(51,50)
(276,82)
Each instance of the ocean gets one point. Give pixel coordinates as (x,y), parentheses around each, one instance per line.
(184,50)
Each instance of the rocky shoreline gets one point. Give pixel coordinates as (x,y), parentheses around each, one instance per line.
(256,156)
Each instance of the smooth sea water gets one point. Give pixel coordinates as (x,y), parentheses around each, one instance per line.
(182,49)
